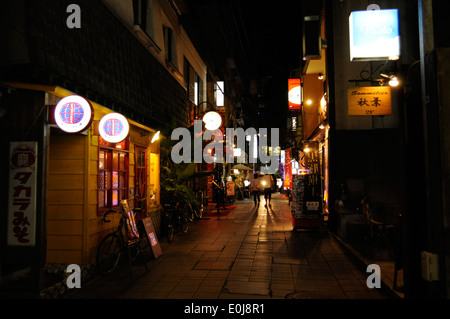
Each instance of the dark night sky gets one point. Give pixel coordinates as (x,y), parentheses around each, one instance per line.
(264,40)
(274,35)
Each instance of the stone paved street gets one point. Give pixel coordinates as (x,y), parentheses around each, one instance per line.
(251,253)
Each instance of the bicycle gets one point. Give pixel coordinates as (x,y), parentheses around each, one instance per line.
(379,232)
(114,245)
(177,215)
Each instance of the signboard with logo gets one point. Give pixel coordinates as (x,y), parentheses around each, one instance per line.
(22,193)
(374,35)
(294,94)
(372,100)
(113,127)
(230,188)
(73,114)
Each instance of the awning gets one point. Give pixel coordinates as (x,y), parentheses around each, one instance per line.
(242,166)
(61,93)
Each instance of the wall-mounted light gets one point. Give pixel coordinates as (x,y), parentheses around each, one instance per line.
(389,69)
(320,77)
(394,81)
(308,102)
(155,137)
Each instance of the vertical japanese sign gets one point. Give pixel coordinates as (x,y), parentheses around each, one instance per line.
(22,193)
(288,170)
(372,100)
(294,94)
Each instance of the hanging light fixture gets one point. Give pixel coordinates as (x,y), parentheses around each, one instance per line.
(389,69)
(212,120)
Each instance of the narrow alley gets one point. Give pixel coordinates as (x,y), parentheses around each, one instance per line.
(250,253)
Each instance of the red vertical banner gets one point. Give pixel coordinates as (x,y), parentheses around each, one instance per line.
(294,94)
(288,170)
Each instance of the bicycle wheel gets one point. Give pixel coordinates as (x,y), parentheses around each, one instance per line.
(184,225)
(108,253)
(186,211)
(135,250)
(169,233)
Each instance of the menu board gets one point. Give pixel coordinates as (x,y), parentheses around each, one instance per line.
(305,200)
(151,236)
(298,193)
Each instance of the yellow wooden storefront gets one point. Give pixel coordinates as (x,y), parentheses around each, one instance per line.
(74,225)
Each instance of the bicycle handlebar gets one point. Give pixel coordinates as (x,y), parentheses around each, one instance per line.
(107,213)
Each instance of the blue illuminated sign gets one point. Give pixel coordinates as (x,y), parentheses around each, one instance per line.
(374,35)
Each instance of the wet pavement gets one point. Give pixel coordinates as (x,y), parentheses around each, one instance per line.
(251,253)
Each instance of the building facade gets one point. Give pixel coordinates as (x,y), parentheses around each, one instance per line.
(132,58)
(394,159)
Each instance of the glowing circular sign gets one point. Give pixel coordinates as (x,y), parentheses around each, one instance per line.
(73,114)
(113,127)
(295,95)
(212,120)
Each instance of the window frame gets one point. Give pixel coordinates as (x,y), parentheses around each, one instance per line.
(170,47)
(137,168)
(122,187)
(143,16)
(193,83)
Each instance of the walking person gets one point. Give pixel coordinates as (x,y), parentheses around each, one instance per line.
(269,186)
(254,189)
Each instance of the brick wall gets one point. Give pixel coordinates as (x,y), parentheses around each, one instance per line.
(102,61)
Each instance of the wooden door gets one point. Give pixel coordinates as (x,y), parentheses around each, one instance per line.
(141,179)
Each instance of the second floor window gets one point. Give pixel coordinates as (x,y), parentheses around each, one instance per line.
(170,46)
(143,16)
(193,82)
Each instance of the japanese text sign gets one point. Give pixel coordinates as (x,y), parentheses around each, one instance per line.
(288,170)
(22,193)
(373,100)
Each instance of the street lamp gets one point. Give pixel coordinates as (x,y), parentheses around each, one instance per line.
(212,120)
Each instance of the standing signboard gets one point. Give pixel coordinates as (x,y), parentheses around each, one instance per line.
(230,188)
(305,213)
(22,194)
(151,236)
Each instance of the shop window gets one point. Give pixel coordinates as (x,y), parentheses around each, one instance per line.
(113,167)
